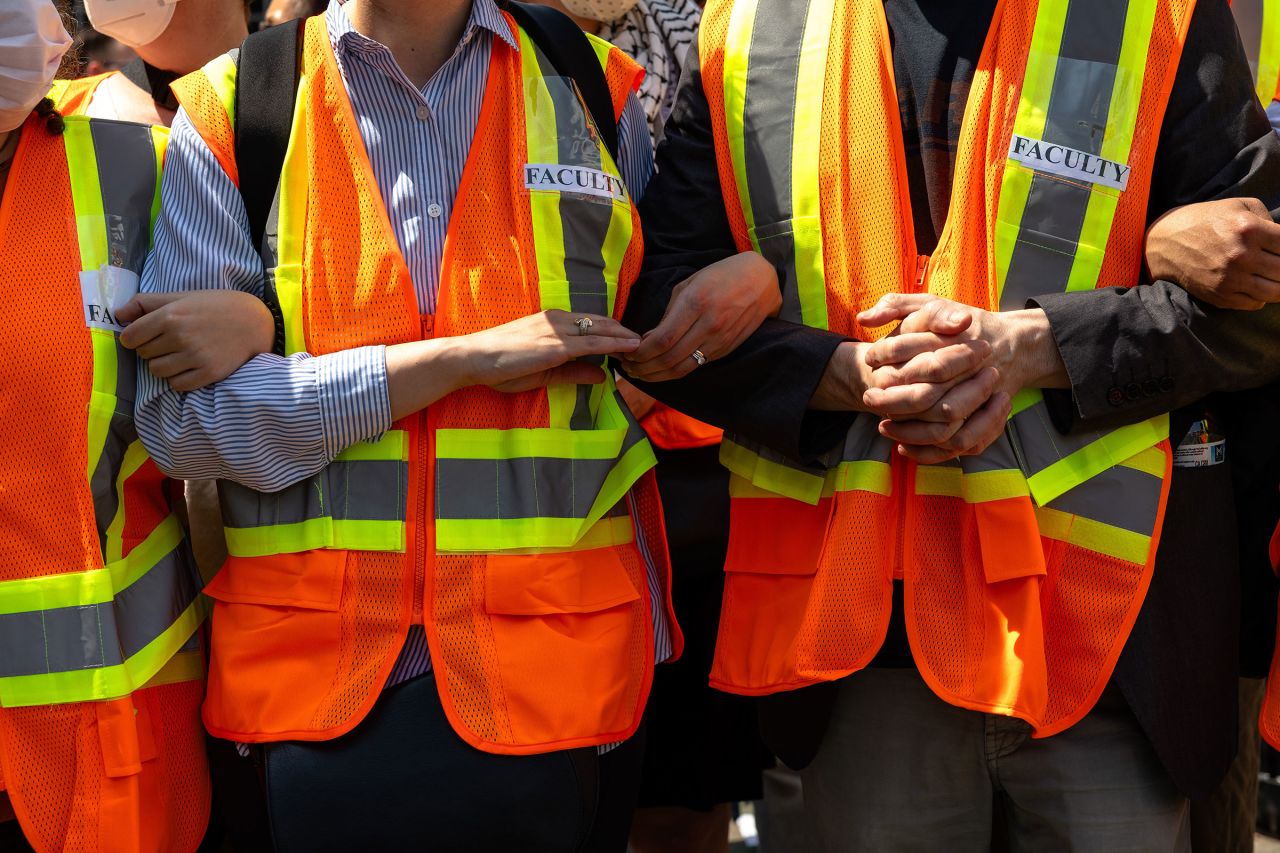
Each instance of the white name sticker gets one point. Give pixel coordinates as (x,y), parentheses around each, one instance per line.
(573,179)
(1068,162)
(104,292)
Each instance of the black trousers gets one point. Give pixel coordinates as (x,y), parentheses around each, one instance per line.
(403,780)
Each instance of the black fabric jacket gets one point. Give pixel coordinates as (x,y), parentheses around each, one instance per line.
(1130,353)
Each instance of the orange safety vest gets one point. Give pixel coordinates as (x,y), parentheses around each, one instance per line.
(1024,568)
(101,747)
(500,521)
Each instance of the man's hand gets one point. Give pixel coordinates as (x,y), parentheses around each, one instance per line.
(964,418)
(1225,252)
(713,311)
(197,337)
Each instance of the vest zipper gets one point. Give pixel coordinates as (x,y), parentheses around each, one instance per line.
(425,511)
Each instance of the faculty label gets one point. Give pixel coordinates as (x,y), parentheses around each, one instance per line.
(104,292)
(573,179)
(1068,162)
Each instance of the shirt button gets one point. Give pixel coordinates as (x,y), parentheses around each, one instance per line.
(423,112)
(434,211)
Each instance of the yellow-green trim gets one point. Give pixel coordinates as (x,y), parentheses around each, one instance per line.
(324,532)
(135,456)
(1111,449)
(737,50)
(782,480)
(1094,535)
(1268,79)
(392,447)
(975,487)
(222,76)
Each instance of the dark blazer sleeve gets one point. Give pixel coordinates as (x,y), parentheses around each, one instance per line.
(762,390)
(1137,352)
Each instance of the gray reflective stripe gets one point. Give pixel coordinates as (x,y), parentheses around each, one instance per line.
(1000,456)
(361,490)
(100,635)
(1249,15)
(584,222)
(1121,497)
(524,487)
(126,156)
(1076,117)
(864,442)
(768,121)
(126,163)
(1039,441)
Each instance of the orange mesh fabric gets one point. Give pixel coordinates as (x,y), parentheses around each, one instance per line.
(867,234)
(47,523)
(147,792)
(623,76)
(196,94)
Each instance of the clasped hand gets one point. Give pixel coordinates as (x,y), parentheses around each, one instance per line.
(944,381)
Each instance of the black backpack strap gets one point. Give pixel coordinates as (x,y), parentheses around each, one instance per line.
(266,88)
(571,53)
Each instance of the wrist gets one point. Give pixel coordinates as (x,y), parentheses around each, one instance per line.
(1026,353)
(846,379)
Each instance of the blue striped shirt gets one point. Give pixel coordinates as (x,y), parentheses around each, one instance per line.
(280,420)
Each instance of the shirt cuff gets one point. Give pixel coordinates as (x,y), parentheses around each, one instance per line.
(355,405)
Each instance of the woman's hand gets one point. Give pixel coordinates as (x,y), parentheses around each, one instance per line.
(713,311)
(522,355)
(196,337)
(1225,252)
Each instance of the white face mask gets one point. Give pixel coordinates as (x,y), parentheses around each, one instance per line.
(131,22)
(32,42)
(599,10)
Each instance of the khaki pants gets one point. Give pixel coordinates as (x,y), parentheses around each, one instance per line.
(901,770)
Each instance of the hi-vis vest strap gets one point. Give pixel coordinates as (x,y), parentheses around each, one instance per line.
(102,630)
(101,749)
(1048,538)
(1259,23)
(72,97)
(509,525)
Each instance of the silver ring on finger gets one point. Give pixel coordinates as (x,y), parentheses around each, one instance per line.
(584,325)
(698,357)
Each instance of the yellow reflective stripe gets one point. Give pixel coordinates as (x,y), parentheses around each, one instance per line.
(112,682)
(102,399)
(324,532)
(291,228)
(737,49)
(975,487)
(606,533)
(86,193)
(134,458)
(521,443)
(96,586)
(222,76)
(862,475)
(544,208)
(1151,461)
(811,282)
(160,140)
(1112,449)
(1093,535)
(1025,399)
(1269,53)
(781,480)
(392,447)
(1037,86)
(184,666)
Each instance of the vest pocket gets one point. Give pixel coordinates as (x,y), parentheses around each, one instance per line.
(775,545)
(565,629)
(276,632)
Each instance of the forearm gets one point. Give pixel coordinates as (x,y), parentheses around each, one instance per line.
(1138,352)
(272,423)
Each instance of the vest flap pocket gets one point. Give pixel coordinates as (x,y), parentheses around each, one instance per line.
(776,536)
(310,580)
(547,584)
